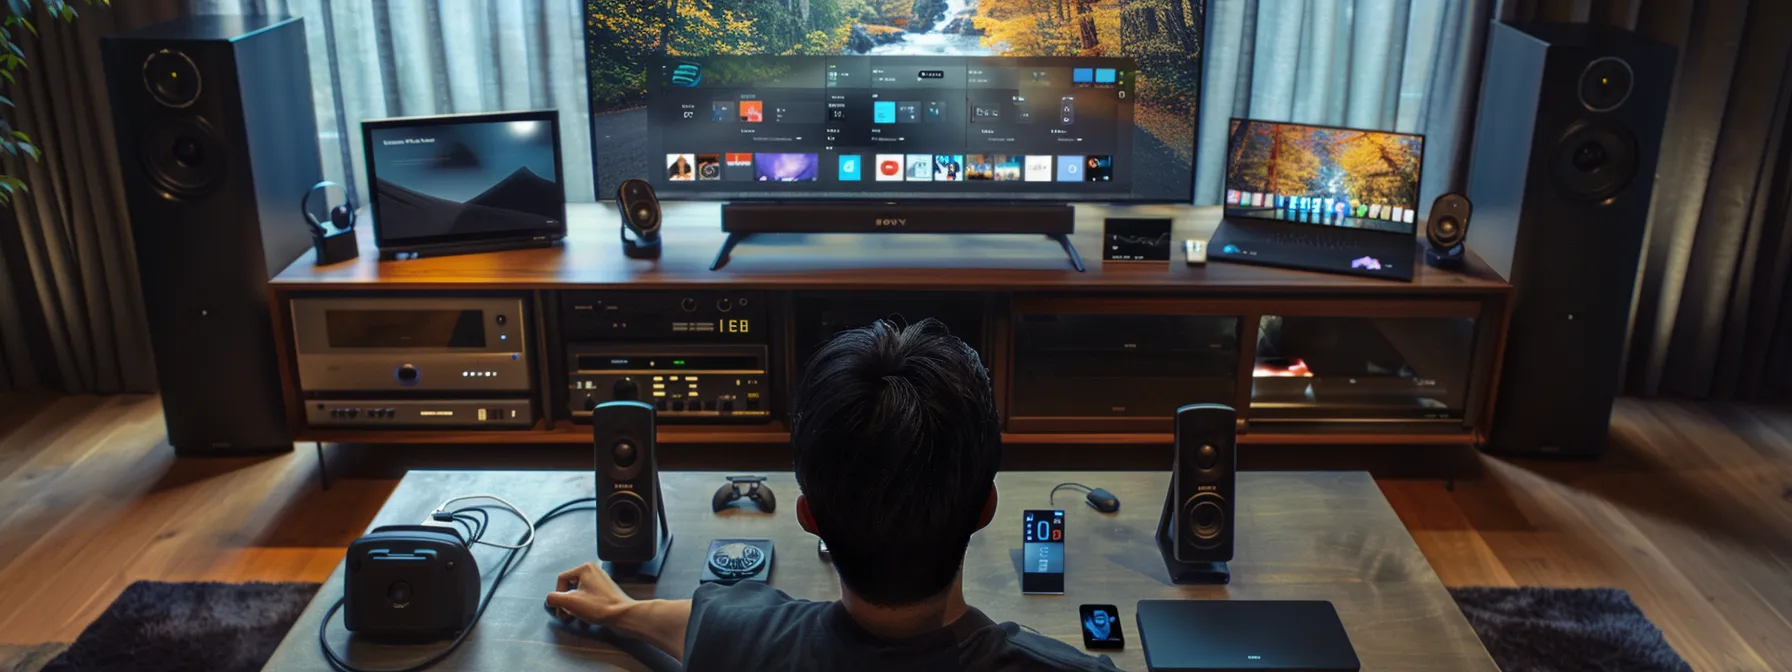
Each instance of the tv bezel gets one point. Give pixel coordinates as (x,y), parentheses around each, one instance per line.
(380,238)
(1226,170)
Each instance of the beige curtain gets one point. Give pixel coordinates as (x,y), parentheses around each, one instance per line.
(73,315)
(1713,316)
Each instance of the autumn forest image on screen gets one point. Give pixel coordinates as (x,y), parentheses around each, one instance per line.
(1361,171)
(1163,36)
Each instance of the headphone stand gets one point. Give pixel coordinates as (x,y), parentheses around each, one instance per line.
(1185,573)
(645,572)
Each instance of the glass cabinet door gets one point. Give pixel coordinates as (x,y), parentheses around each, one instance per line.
(1345,369)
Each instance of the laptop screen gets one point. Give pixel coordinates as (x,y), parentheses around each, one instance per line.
(1323,175)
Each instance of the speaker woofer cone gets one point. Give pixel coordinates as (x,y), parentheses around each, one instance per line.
(183,156)
(624,515)
(1594,160)
(1206,520)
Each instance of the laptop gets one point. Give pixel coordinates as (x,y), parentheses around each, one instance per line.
(1224,635)
(1321,198)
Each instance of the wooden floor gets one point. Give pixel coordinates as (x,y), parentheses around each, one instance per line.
(1691,512)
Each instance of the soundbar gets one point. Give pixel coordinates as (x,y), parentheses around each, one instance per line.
(742,220)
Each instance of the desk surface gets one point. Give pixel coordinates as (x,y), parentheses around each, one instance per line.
(592,257)
(1305,535)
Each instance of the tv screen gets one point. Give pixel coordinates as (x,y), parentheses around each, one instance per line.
(886,99)
(1323,175)
(465,178)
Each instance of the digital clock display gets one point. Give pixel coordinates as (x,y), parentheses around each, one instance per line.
(1042,552)
(736,326)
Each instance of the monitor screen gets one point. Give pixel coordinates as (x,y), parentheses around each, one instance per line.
(1323,175)
(921,99)
(465,178)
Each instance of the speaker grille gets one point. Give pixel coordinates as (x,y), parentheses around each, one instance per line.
(1594,160)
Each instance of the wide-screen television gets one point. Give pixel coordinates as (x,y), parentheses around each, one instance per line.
(1344,177)
(1059,100)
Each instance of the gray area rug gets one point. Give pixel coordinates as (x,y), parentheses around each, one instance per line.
(174,627)
(1566,629)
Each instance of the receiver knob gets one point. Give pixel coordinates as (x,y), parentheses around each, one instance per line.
(726,406)
(590,404)
(688,304)
(625,390)
(406,374)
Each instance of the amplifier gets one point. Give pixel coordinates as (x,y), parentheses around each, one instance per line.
(685,383)
(711,316)
(419,413)
(413,345)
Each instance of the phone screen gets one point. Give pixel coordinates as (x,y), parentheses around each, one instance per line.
(1042,553)
(1101,627)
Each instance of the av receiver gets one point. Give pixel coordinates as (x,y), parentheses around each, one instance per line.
(690,383)
(696,356)
(419,413)
(411,345)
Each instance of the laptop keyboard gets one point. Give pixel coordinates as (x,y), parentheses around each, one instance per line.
(1303,239)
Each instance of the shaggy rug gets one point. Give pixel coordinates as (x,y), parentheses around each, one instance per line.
(169,627)
(1564,630)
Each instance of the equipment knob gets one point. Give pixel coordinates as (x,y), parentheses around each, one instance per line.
(724,305)
(406,374)
(688,304)
(625,390)
(1206,456)
(590,404)
(725,406)
(624,453)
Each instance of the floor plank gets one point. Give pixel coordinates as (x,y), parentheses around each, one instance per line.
(1690,511)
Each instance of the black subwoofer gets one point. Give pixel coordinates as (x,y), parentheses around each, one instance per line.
(218,143)
(1563,164)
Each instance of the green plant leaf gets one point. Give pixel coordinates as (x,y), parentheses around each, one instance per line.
(6,101)
(7,75)
(21,136)
(14,48)
(68,13)
(20,7)
(13,182)
(36,154)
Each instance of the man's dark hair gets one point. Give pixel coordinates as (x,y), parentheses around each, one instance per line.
(897,445)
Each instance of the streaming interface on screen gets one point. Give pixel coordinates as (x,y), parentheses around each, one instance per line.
(921,99)
(445,180)
(1322,175)
(885,125)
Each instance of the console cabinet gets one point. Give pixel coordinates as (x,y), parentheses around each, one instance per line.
(1104,356)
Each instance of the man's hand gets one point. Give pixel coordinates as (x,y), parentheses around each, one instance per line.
(590,595)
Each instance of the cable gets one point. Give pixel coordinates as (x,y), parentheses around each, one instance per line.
(512,556)
(1053,498)
(530,539)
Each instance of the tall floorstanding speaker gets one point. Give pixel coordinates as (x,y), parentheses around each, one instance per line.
(218,143)
(1564,161)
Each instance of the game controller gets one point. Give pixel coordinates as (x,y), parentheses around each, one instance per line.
(756,491)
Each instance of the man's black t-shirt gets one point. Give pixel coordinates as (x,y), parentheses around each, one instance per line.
(751,626)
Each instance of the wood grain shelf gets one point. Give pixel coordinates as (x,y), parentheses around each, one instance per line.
(570,434)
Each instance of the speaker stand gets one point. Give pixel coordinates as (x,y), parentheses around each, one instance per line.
(645,572)
(1185,573)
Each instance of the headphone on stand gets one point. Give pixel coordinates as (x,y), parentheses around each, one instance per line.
(337,242)
(640,211)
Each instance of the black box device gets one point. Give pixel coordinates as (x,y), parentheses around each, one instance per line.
(1224,635)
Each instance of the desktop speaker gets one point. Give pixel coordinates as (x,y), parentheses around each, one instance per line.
(1203,483)
(218,142)
(1563,164)
(1445,229)
(630,514)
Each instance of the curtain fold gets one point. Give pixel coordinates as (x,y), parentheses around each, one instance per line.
(76,308)
(1402,65)
(1711,316)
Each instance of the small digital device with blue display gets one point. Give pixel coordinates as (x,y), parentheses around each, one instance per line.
(1042,553)
(1101,627)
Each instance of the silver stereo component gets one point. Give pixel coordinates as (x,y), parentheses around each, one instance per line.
(420,413)
(413,345)
(684,383)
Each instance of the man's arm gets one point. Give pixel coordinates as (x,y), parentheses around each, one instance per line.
(588,594)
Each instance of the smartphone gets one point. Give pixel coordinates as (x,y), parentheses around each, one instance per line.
(1101,627)
(1042,553)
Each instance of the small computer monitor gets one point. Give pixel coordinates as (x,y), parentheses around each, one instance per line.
(1323,175)
(465,179)
(732,100)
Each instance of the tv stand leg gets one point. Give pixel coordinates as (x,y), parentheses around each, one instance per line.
(1063,239)
(734,238)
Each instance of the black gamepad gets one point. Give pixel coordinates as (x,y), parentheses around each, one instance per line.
(757,492)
